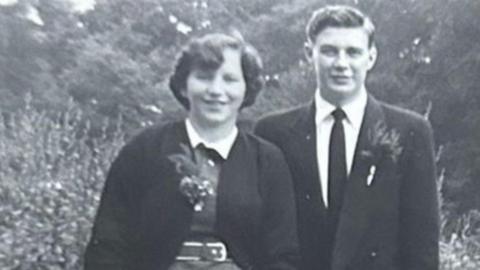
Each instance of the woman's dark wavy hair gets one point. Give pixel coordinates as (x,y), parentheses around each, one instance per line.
(207,52)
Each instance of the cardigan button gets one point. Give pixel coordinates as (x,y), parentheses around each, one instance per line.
(307,197)
(211,163)
(373,254)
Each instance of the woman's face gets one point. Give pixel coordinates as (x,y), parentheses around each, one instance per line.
(216,95)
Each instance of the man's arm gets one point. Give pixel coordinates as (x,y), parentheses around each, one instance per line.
(267,130)
(419,212)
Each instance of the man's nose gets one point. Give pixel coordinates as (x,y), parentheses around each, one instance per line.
(341,61)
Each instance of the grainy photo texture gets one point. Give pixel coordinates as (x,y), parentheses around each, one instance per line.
(87,99)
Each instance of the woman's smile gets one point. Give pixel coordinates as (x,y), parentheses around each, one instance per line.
(216,95)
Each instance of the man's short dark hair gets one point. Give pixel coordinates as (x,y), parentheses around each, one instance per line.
(207,52)
(338,16)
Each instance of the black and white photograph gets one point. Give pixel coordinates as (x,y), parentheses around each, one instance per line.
(239,135)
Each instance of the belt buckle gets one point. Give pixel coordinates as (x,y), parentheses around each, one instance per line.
(219,250)
(214,251)
(190,258)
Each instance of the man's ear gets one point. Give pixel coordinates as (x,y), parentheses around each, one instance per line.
(308,50)
(372,56)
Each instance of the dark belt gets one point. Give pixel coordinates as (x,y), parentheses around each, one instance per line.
(203,251)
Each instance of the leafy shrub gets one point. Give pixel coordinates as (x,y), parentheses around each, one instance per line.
(461,249)
(459,237)
(51,174)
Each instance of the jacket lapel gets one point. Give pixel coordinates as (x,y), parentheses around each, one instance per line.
(304,150)
(357,205)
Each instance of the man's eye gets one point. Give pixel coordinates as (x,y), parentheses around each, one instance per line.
(328,51)
(354,52)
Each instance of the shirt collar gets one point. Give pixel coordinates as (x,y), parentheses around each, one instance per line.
(222,146)
(354,110)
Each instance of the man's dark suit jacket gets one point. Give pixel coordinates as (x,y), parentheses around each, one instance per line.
(143,218)
(391,224)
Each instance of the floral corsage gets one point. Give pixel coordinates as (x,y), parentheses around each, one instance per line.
(195,187)
(384,144)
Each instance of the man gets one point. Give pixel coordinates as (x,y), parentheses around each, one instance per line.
(363,170)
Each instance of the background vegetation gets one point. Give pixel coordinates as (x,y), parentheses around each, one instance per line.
(75,84)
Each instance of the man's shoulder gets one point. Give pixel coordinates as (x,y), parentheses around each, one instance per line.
(402,115)
(407,121)
(285,117)
(258,143)
(277,127)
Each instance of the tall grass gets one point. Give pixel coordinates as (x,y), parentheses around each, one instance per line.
(51,175)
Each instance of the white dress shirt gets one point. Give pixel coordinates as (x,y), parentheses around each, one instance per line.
(222,146)
(324,123)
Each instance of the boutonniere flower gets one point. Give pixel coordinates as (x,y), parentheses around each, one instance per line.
(371,174)
(383,144)
(195,187)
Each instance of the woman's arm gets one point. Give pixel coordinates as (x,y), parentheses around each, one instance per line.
(111,240)
(279,232)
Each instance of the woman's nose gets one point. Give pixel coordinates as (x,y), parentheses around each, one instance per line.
(215,87)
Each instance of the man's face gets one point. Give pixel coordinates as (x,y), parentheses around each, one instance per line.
(341,58)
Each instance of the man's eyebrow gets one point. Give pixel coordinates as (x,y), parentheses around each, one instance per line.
(355,48)
(327,45)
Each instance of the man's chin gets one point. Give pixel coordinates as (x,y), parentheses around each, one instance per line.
(339,95)
(343,91)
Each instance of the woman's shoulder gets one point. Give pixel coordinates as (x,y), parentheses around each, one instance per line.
(265,148)
(154,135)
(271,164)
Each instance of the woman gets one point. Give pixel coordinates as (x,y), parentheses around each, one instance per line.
(199,193)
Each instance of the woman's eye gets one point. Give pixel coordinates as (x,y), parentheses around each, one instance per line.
(230,78)
(202,75)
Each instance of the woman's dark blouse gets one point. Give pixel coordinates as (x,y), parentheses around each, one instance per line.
(143,219)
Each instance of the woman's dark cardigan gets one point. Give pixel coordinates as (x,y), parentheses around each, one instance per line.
(143,219)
